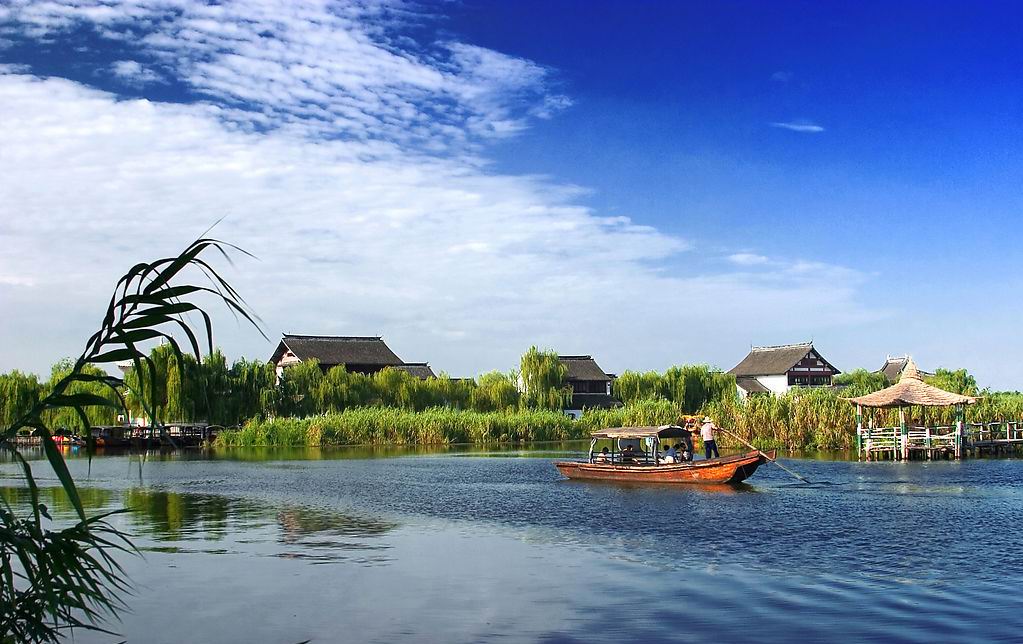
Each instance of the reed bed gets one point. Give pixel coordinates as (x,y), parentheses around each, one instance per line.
(800,420)
(392,426)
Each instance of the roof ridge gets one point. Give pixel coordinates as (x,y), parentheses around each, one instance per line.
(332,337)
(578,357)
(783,346)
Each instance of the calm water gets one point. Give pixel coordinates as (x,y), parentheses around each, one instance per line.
(349,546)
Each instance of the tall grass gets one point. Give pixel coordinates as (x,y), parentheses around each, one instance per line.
(801,419)
(389,425)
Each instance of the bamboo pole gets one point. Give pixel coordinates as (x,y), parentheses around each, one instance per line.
(751,446)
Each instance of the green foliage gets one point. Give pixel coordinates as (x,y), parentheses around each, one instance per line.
(340,390)
(633,386)
(691,387)
(74,418)
(801,419)
(19,392)
(391,425)
(642,413)
(957,381)
(860,382)
(495,391)
(543,380)
(55,580)
(300,389)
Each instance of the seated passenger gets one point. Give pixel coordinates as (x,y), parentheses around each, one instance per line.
(681,455)
(670,455)
(603,456)
(629,454)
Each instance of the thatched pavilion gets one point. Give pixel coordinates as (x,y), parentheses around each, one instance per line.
(910,391)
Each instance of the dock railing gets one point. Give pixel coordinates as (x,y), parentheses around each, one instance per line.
(945,440)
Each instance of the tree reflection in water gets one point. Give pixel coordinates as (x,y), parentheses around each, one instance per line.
(319,535)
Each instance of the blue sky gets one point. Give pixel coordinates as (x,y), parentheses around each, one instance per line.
(652,183)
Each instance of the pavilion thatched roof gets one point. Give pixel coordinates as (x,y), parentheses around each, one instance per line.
(912,390)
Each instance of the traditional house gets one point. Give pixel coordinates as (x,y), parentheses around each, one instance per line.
(895,365)
(591,387)
(358,354)
(777,369)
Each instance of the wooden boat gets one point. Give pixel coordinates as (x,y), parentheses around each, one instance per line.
(644,468)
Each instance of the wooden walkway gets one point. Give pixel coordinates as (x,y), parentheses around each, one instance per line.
(173,435)
(955,441)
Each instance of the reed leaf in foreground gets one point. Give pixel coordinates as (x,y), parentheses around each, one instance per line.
(56,580)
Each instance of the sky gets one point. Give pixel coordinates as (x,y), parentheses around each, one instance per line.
(651,183)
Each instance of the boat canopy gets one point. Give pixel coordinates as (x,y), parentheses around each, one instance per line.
(664,431)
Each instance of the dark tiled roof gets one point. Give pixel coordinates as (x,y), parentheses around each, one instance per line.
(420,370)
(333,350)
(893,368)
(771,361)
(583,368)
(751,385)
(593,401)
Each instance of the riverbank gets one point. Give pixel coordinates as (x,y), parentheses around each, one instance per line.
(809,419)
(443,426)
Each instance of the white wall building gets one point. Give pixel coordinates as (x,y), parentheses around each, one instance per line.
(776,370)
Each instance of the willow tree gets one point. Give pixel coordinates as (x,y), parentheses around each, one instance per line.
(60,418)
(633,386)
(300,389)
(341,389)
(495,391)
(542,377)
(176,403)
(59,580)
(958,381)
(859,382)
(19,392)
(214,394)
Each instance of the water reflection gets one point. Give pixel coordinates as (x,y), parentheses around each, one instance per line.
(173,516)
(57,501)
(179,522)
(505,549)
(239,525)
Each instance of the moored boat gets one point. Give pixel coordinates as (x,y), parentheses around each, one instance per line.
(619,464)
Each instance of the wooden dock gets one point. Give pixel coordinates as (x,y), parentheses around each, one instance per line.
(171,435)
(950,441)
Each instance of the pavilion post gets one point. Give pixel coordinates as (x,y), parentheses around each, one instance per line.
(959,432)
(904,433)
(859,430)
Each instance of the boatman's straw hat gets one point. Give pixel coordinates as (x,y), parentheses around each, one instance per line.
(706,419)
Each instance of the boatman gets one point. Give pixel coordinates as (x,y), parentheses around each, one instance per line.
(707,434)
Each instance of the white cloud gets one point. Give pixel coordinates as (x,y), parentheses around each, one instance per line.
(351,162)
(782,76)
(453,264)
(799,126)
(15,280)
(322,68)
(747,259)
(132,71)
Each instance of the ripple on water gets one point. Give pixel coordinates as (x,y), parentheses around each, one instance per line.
(917,552)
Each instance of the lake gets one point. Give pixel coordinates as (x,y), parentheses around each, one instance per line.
(494,546)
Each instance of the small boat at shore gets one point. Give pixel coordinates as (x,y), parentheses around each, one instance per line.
(622,464)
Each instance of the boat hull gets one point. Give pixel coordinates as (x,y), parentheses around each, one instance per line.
(716,471)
